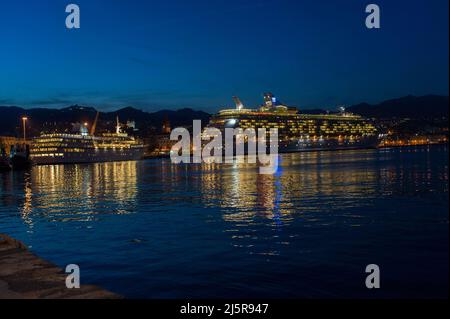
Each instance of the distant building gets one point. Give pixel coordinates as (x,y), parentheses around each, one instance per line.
(160,144)
(131,125)
(166,126)
(7,141)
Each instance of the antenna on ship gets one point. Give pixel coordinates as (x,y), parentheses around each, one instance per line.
(237,101)
(94,126)
(342,110)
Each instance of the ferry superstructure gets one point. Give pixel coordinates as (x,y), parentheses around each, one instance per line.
(60,148)
(301,132)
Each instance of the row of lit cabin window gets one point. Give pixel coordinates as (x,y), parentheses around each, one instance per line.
(310,122)
(353,129)
(48,155)
(67,150)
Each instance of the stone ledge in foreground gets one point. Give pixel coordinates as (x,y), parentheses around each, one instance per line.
(23,275)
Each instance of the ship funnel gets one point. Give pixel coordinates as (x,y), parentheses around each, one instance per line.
(269,100)
(237,101)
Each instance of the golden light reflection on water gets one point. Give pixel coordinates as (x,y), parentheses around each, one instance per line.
(307,187)
(324,190)
(80,192)
(318,207)
(27,205)
(300,181)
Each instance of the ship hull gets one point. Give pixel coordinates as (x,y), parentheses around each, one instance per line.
(91,157)
(328,145)
(4,164)
(298,146)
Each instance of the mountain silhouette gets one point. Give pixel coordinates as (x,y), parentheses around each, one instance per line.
(42,119)
(415,107)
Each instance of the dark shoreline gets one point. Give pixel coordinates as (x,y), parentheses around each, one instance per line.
(24,275)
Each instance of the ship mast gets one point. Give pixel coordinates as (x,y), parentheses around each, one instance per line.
(117,125)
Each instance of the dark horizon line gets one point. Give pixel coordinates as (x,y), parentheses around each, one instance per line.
(96,108)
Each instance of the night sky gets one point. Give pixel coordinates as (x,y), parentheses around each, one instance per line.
(179,53)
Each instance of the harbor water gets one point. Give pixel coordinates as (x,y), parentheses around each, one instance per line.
(153,229)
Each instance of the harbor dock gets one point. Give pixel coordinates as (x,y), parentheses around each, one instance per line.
(23,275)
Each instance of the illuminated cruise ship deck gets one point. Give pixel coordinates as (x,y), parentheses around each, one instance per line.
(298,132)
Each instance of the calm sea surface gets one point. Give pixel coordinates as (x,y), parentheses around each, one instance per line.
(156,230)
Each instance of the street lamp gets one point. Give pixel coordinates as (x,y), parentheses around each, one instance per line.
(24,120)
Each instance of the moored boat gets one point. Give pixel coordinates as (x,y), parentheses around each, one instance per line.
(61,148)
(5,163)
(20,156)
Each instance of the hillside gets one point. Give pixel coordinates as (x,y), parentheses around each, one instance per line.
(419,108)
(10,118)
(415,107)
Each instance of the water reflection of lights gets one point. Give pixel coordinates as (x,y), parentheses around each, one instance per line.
(80,192)
(246,195)
(311,189)
(27,205)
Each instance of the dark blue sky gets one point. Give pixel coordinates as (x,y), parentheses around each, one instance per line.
(179,53)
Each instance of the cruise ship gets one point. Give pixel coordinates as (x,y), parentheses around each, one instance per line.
(84,147)
(301,132)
